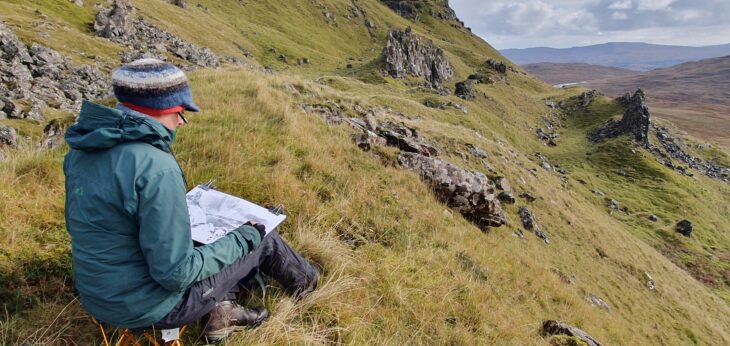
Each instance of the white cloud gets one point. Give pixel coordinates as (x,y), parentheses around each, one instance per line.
(619,16)
(621,5)
(565,23)
(689,15)
(654,5)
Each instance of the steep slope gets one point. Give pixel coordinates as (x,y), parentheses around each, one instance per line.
(629,55)
(400,267)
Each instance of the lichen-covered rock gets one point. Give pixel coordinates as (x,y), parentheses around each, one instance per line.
(39,76)
(116,21)
(407,54)
(470,193)
(8,137)
(553,327)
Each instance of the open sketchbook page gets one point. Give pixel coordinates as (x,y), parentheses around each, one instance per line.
(213,214)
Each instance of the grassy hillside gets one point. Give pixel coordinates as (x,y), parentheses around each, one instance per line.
(398,266)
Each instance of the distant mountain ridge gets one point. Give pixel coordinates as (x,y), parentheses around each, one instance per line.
(628,55)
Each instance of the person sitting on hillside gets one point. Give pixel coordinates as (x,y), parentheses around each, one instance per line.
(134,262)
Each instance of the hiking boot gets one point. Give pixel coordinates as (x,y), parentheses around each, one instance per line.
(227,317)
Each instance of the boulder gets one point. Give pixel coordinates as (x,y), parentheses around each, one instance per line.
(407,54)
(469,192)
(528,197)
(8,137)
(503,184)
(684,227)
(53,132)
(506,197)
(653,218)
(116,21)
(554,327)
(530,222)
(465,90)
(476,151)
(10,108)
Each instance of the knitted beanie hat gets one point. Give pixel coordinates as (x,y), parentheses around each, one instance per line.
(154,84)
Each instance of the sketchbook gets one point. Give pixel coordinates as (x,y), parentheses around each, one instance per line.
(213,214)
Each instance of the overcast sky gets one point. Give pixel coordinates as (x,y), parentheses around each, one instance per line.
(569,23)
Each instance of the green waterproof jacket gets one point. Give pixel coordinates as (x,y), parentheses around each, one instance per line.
(133,257)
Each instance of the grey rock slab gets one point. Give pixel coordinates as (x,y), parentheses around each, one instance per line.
(554,327)
(468,192)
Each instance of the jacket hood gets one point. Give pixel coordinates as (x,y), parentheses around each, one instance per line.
(99,127)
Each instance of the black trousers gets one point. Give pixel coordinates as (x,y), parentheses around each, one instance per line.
(273,257)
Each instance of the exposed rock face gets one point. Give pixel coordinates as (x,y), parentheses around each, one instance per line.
(470,193)
(8,137)
(530,222)
(118,23)
(406,139)
(38,77)
(684,227)
(407,54)
(553,327)
(636,121)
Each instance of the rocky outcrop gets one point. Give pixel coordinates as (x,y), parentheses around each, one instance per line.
(407,54)
(406,139)
(8,137)
(674,148)
(553,327)
(497,65)
(471,193)
(119,24)
(636,122)
(38,77)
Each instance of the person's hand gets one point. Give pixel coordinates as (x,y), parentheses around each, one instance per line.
(259,227)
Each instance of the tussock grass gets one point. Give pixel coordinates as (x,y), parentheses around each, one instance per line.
(398,266)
